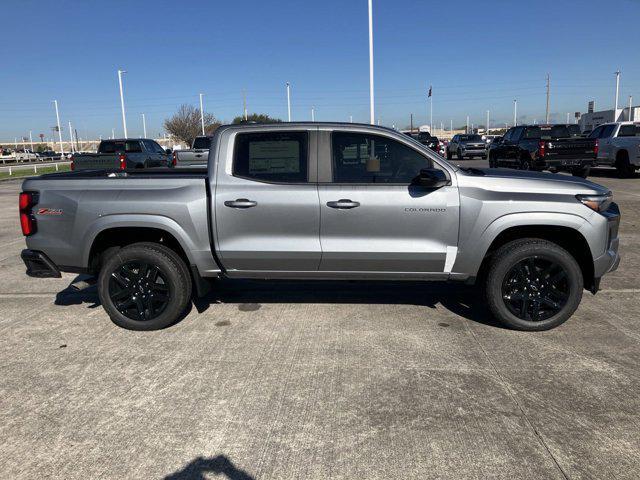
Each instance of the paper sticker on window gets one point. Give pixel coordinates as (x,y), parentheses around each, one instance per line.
(274,157)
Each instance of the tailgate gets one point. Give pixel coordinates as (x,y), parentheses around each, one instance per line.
(194,158)
(106,161)
(570,148)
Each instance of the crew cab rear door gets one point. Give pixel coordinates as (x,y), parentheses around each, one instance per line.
(267,214)
(373,219)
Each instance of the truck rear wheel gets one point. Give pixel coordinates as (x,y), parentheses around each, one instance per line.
(144,286)
(533,285)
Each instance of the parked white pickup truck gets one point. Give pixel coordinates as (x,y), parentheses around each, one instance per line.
(618,145)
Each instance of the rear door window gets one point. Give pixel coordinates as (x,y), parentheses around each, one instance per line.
(201,143)
(629,130)
(280,157)
(607,131)
(132,146)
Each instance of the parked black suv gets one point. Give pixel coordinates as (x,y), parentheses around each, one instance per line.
(540,147)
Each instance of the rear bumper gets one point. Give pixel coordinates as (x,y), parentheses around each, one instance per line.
(39,265)
(569,162)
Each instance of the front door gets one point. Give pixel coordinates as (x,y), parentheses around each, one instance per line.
(266,203)
(373,219)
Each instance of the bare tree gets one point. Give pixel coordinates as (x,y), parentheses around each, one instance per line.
(185,123)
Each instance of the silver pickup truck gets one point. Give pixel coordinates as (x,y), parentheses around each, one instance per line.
(322,201)
(197,156)
(618,146)
(123,154)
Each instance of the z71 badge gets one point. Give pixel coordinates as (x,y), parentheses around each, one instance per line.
(49,211)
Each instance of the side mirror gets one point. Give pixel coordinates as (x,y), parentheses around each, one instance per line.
(431,177)
(168,151)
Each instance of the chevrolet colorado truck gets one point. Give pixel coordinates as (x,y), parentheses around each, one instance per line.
(320,201)
(122,154)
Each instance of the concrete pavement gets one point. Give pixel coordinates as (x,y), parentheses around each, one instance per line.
(318,380)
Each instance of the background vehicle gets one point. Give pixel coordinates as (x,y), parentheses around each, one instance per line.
(618,146)
(464,145)
(429,140)
(195,157)
(539,147)
(123,154)
(26,155)
(303,201)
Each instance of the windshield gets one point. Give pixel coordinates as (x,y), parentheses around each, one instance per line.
(470,138)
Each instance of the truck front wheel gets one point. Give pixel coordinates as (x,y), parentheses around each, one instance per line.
(533,284)
(144,286)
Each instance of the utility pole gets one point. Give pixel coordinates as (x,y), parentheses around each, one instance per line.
(55,102)
(124,117)
(487,129)
(313,114)
(201,114)
(617,74)
(515,113)
(546,117)
(244,105)
(144,126)
(288,101)
(371,108)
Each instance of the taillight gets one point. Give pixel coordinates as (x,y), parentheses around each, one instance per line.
(72,166)
(26,201)
(174,159)
(542,148)
(596,147)
(123,161)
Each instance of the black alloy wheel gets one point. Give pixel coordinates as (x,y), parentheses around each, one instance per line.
(535,289)
(139,291)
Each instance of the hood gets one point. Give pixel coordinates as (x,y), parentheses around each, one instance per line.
(518,180)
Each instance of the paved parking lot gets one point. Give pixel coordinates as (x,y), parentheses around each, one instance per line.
(318,380)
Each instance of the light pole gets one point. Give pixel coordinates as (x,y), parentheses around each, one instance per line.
(289,101)
(567,118)
(350,118)
(515,113)
(55,102)
(313,114)
(630,102)
(371,107)
(617,74)
(113,133)
(487,122)
(71,137)
(467,129)
(31,137)
(144,126)
(124,117)
(201,114)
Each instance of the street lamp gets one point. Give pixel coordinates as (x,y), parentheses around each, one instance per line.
(201,114)
(124,117)
(55,102)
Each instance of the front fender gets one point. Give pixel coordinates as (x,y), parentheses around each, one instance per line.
(474,248)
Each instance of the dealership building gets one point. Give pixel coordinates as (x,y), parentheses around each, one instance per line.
(590,120)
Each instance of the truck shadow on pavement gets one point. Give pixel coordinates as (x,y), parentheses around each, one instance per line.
(463,300)
(218,465)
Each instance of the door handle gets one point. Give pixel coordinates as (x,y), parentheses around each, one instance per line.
(343,203)
(199,155)
(240,203)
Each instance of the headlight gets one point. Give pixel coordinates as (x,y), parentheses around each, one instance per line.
(598,203)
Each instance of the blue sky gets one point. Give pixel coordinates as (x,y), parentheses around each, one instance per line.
(477,56)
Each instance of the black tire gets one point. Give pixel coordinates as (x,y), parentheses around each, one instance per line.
(525,164)
(557,295)
(459,153)
(623,166)
(483,157)
(144,298)
(449,155)
(582,172)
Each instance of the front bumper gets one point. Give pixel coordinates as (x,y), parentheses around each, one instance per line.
(609,261)
(39,265)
